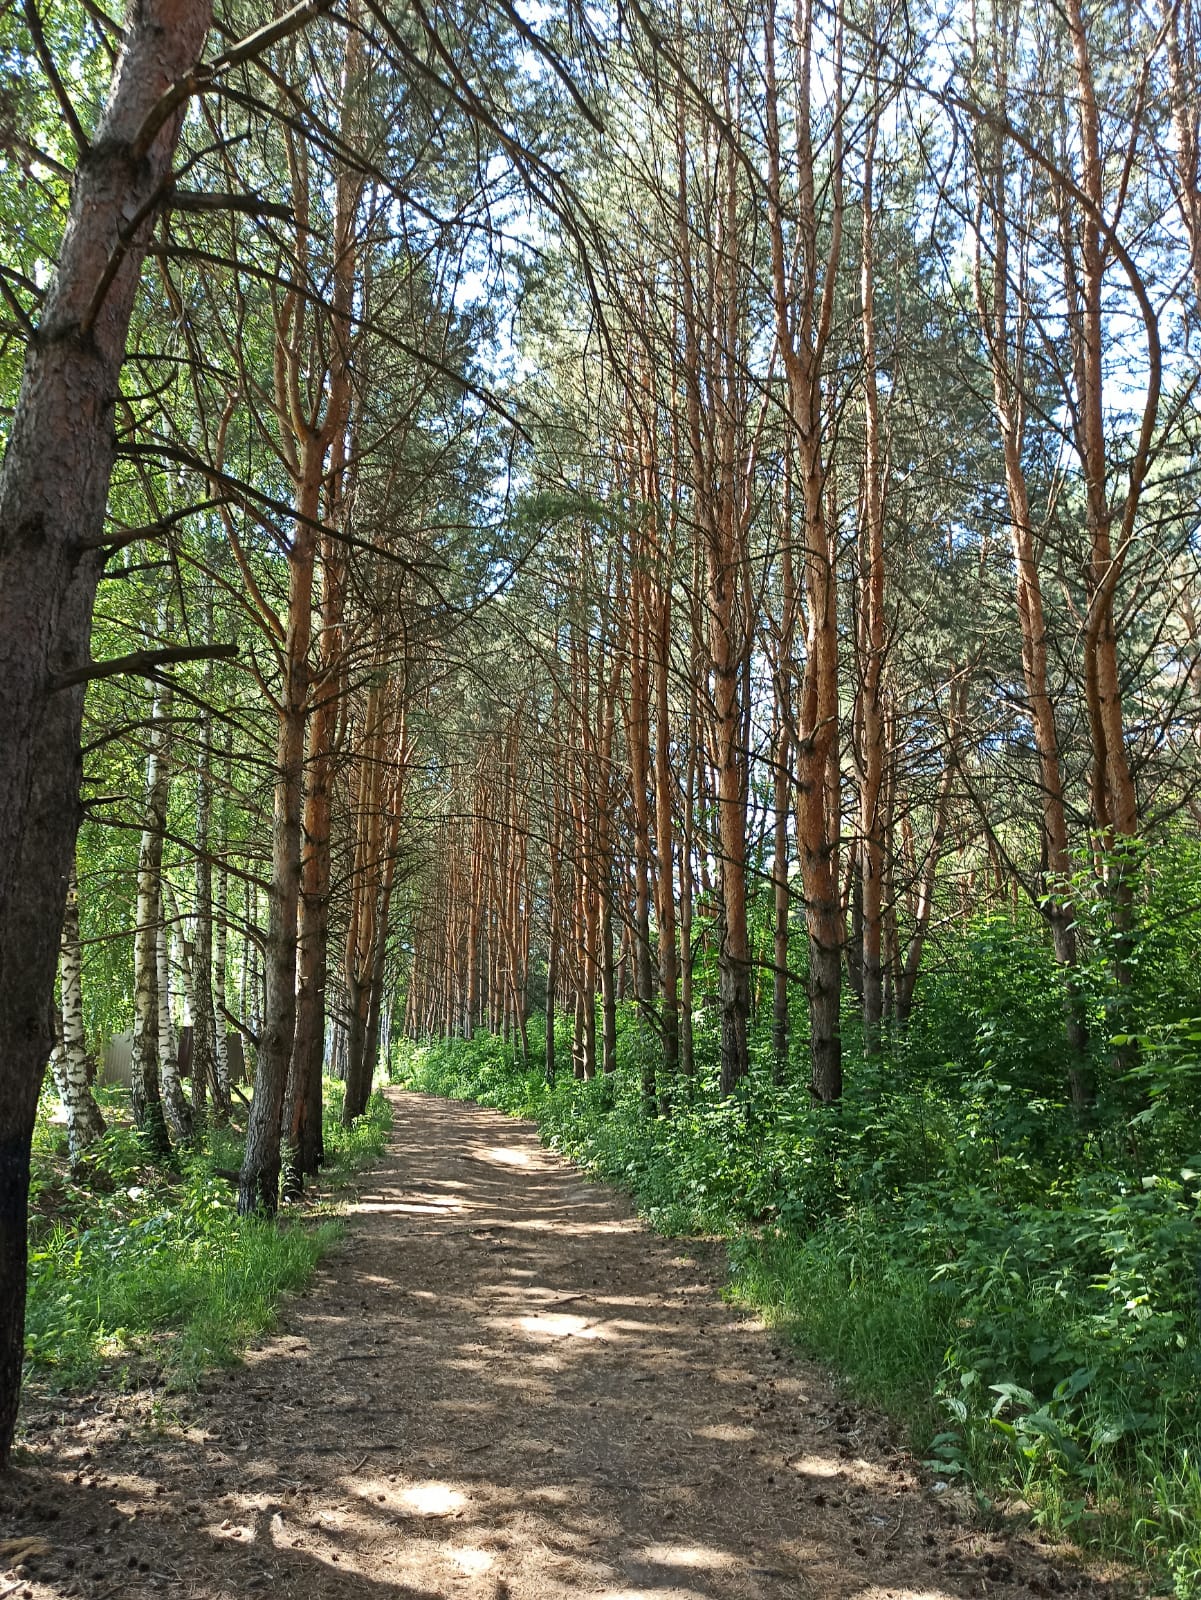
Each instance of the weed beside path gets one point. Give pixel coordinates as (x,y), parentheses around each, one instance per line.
(142,1268)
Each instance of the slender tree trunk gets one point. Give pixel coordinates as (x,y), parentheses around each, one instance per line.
(308,342)
(1180,21)
(908,970)
(1007,359)
(638,739)
(803,295)
(719,459)
(687,857)
(579,1066)
(175,1104)
(872,628)
(221,1093)
(204,1017)
(365,890)
(146,1100)
(308,1046)
(259,1182)
(608,981)
(665,878)
(1085,257)
(552,979)
(357,1004)
(85,1122)
(782,792)
(303,1092)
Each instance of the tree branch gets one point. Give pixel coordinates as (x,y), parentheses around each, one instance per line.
(251,204)
(144,662)
(202,78)
(34,23)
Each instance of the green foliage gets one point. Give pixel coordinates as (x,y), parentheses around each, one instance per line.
(351,1149)
(151,1262)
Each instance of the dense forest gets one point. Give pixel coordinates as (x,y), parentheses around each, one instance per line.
(640,565)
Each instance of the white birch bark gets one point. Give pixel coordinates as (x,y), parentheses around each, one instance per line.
(220,964)
(85,1122)
(145,1093)
(175,1105)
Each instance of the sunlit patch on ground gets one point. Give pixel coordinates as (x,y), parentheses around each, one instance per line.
(817,1467)
(851,1469)
(891,1592)
(504,1155)
(432,1499)
(416,1205)
(239,1532)
(726,1432)
(568,1230)
(682,1555)
(551,1325)
(655,1593)
(473,1563)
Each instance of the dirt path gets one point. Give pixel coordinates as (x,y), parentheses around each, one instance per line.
(500,1388)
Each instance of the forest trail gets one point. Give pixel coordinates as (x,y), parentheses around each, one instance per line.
(500,1387)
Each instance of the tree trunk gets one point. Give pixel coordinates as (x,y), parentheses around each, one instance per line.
(782,790)
(1008,374)
(85,1122)
(608,980)
(53,491)
(665,878)
(258,1186)
(358,1000)
(552,978)
(145,1092)
(687,849)
(178,1111)
(204,1017)
(907,973)
(803,296)
(871,630)
(221,1092)
(308,1046)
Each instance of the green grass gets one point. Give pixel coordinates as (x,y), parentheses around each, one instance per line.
(351,1149)
(142,1263)
(858,1309)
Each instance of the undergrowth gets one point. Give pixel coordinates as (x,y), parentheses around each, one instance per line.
(136,1261)
(1020,1290)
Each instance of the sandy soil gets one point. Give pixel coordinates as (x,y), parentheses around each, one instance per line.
(501,1387)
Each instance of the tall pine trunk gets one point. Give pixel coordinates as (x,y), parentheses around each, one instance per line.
(53,491)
